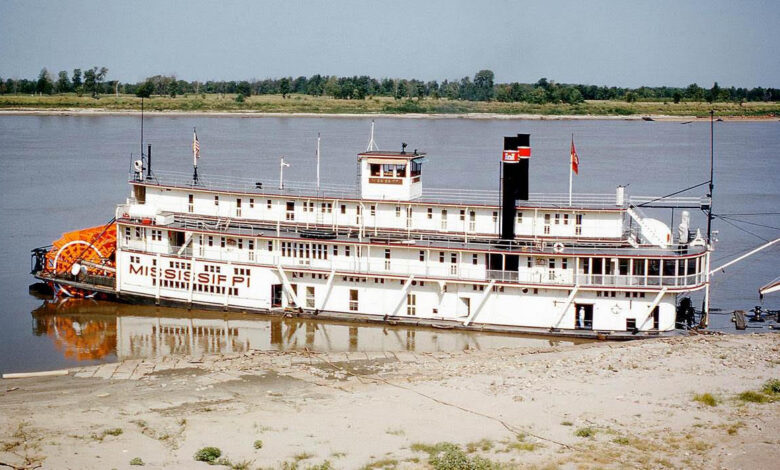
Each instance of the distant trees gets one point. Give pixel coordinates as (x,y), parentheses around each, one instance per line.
(481,87)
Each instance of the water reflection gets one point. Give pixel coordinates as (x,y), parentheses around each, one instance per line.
(92,330)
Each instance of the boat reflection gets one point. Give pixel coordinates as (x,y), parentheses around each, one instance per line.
(88,330)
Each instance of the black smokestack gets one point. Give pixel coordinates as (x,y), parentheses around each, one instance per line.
(514,186)
(149,162)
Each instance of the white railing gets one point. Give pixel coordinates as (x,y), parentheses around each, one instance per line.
(340,191)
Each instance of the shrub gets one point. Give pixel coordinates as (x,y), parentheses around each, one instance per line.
(208,454)
(137,461)
(258,444)
(705,399)
(585,432)
(772,387)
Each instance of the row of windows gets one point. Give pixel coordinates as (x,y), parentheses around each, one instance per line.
(327,208)
(307,250)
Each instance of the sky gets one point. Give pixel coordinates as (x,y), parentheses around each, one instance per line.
(620,43)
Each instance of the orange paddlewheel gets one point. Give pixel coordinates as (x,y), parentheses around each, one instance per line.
(88,251)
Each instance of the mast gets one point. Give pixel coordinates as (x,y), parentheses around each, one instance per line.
(705,306)
(318,161)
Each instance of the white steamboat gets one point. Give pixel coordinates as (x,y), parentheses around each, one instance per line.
(390,251)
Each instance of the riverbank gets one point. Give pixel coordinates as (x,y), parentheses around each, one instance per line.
(317,106)
(670,402)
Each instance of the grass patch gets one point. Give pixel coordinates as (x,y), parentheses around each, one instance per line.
(107,432)
(377,104)
(483,444)
(567,423)
(208,455)
(453,458)
(380,464)
(585,432)
(771,387)
(752,397)
(623,441)
(302,456)
(705,399)
(432,449)
(258,444)
(137,461)
(395,432)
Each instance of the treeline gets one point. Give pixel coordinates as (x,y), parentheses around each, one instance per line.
(481,87)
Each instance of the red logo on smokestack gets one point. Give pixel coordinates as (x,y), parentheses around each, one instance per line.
(514,156)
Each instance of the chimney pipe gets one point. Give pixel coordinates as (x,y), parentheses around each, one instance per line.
(149,162)
(514,185)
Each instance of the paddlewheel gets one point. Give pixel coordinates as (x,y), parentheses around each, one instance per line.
(82,254)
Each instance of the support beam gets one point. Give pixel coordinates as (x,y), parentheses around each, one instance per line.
(328,289)
(569,301)
(288,287)
(653,305)
(404,291)
(482,301)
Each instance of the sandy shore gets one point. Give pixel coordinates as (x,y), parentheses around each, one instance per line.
(631,404)
(539,117)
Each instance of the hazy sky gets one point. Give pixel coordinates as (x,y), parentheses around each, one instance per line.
(619,43)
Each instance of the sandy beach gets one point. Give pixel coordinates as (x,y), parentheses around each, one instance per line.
(585,406)
(486,116)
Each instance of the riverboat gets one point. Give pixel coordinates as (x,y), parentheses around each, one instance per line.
(388,250)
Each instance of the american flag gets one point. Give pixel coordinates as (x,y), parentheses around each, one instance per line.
(195,148)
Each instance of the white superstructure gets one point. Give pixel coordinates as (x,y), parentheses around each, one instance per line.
(390,251)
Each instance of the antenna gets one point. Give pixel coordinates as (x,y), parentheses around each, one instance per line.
(282,164)
(712,172)
(371,142)
(142,129)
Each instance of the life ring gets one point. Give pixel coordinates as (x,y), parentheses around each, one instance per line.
(558,247)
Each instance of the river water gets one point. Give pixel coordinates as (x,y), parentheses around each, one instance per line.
(60,173)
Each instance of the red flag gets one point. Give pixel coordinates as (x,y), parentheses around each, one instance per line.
(575,160)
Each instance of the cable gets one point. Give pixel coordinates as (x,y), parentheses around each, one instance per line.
(747,222)
(744,230)
(673,194)
(751,213)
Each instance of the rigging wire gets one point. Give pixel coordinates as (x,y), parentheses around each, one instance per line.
(673,194)
(750,213)
(747,222)
(740,228)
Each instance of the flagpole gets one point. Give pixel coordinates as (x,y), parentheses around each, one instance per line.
(318,161)
(571,168)
(194,156)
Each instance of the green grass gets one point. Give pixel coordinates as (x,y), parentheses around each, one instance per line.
(378,104)
(753,397)
(706,399)
(585,432)
(258,444)
(208,455)
(771,387)
(137,461)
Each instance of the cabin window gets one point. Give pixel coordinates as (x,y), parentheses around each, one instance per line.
(639,267)
(529,262)
(565,263)
(430,213)
(251,203)
(191,203)
(623,266)
(565,219)
(422,255)
(586,265)
(475,259)
(519,217)
(343,209)
(211,240)
(453,258)
(495,217)
(353,300)
(546,224)
(416,167)
(290,213)
(411,304)
(347,250)
(669,267)
(238,207)
(578,224)
(557,219)
(309,296)
(240,243)
(335,250)
(441,257)
(216,200)
(551,263)
(398,211)
(462,215)
(373,211)
(444,219)
(222,242)
(376,169)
